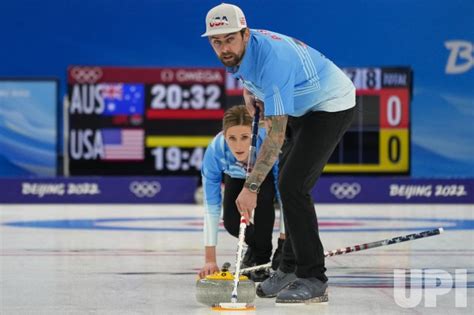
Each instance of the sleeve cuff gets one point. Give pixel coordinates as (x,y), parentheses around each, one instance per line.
(211,229)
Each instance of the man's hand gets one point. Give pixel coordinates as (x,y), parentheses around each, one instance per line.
(246,202)
(208,269)
(251,102)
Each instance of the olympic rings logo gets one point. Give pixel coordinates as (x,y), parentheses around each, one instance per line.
(145,189)
(345,190)
(86,74)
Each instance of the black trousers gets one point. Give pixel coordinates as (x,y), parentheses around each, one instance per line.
(310,141)
(258,236)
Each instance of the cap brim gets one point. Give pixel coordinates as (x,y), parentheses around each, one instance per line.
(222,31)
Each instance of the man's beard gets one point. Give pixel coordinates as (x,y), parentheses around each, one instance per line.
(232,62)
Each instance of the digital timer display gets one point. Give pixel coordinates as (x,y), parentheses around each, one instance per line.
(150,121)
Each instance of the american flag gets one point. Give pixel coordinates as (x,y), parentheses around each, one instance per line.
(123,144)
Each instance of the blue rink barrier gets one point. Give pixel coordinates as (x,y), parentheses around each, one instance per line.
(393,190)
(99,190)
(182,190)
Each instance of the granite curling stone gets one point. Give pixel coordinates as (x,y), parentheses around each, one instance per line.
(217,288)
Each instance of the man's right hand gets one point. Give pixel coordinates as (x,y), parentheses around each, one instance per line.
(208,269)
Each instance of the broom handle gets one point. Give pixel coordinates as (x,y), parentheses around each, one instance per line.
(356,248)
(243,223)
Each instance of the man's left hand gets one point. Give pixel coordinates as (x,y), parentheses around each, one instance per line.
(246,202)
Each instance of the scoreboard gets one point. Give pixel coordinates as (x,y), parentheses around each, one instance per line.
(158,121)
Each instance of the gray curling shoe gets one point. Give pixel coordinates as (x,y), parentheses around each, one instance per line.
(304,290)
(277,281)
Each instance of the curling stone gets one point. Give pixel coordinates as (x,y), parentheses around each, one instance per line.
(217,288)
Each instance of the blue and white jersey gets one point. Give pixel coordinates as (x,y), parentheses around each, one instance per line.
(292,78)
(218,160)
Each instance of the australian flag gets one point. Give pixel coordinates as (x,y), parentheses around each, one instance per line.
(123,99)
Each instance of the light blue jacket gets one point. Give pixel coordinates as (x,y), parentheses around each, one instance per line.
(292,78)
(218,160)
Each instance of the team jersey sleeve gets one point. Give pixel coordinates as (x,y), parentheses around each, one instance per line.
(212,198)
(278,84)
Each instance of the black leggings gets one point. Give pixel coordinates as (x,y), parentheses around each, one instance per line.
(310,141)
(258,236)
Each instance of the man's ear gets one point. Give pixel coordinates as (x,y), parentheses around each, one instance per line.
(246,35)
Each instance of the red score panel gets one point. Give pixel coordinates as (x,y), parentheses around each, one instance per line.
(92,75)
(394,108)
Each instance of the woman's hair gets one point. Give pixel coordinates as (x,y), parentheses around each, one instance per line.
(236,116)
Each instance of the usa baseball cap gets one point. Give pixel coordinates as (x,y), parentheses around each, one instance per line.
(224,19)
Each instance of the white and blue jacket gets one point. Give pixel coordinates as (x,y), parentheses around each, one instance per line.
(218,160)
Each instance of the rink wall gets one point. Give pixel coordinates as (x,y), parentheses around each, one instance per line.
(435,38)
(143,190)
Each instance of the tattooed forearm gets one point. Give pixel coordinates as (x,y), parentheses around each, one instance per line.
(276,127)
